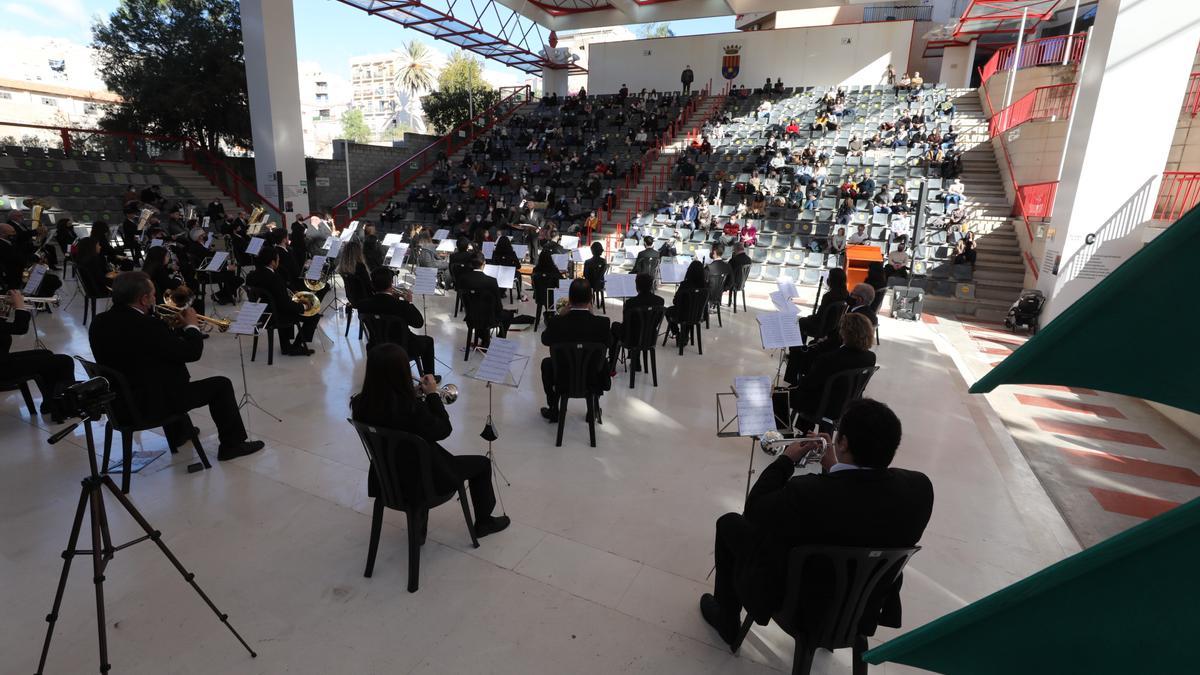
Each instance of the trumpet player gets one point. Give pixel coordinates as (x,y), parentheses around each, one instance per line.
(857,500)
(153,358)
(287,313)
(388,399)
(52,372)
(396,305)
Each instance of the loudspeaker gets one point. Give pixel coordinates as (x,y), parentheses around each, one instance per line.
(907,302)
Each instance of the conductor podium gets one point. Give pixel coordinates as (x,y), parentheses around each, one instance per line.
(858,258)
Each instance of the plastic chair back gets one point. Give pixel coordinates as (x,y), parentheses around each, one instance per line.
(578,367)
(125,412)
(642,327)
(404,466)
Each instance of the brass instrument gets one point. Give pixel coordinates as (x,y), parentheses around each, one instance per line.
(312,304)
(35,206)
(774,442)
(180,299)
(255,214)
(6,308)
(447,392)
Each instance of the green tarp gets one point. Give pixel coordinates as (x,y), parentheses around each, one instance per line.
(1127,605)
(1134,333)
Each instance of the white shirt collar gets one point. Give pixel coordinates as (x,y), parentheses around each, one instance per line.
(842,466)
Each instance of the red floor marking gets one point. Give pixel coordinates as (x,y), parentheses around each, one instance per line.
(996,351)
(967,320)
(929,318)
(1096,433)
(1071,406)
(1131,466)
(1059,387)
(1131,505)
(1000,338)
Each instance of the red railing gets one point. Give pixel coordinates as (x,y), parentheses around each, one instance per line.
(1051,102)
(1035,200)
(1178,193)
(132,146)
(1191,102)
(1019,208)
(398,177)
(1044,52)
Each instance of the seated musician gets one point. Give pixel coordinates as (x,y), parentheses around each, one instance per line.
(387,301)
(130,339)
(475,280)
(695,277)
(858,336)
(813,325)
(101,233)
(388,399)
(91,265)
(287,312)
(645,298)
(856,500)
(574,324)
(648,259)
(372,249)
(52,372)
(288,269)
(799,361)
(352,266)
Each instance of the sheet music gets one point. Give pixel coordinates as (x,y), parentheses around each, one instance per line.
(247,318)
(569,241)
(425,282)
(392,238)
(349,231)
(779,330)
(756,416)
(35,280)
(316,268)
(560,261)
(559,294)
(204,224)
(441,234)
(154,243)
(143,218)
(255,245)
(396,254)
(672,273)
(446,246)
(217,262)
(619,285)
(783,303)
(788,287)
(497,362)
(503,274)
(333,246)
(581,255)
(209,242)
(489,248)
(522,251)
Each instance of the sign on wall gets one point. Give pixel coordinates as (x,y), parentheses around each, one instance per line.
(731,63)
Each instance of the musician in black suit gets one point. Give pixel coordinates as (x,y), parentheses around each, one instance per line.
(858,336)
(645,298)
(130,234)
(648,259)
(52,372)
(739,261)
(799,361)
(575,323)
(476,280)
(287,312)
(12,263)
(387,301)
(718,269)
(298,240)
(857,500)
(372,250)
(289,268)
(129,339)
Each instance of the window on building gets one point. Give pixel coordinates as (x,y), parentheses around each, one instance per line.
(321,96)
(90,108)
(323,113)
(49,101)
(57,65)
(6,95)
(322,85)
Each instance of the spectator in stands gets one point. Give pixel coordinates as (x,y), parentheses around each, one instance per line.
(916,81)
(854,147)
(964,250)
(848,189)
(901,228)
(686,78)
(778,86)
(956,219)
(845,211)
(731,231)
(953,193)
(859,236)
(812,193)
(889,76)
(946,109)
(903,83)
(837,242)
(897,267)
(900,199)
(763,112)
(866,187)
(748,235)
(792,130)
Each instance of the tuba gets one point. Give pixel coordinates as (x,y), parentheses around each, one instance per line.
(310,301)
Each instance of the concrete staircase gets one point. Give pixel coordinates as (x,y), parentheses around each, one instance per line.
(197,188)
(999,270)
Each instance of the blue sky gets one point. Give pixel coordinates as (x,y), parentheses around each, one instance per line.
(327,32)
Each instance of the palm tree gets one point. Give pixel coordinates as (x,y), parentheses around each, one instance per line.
(416,73)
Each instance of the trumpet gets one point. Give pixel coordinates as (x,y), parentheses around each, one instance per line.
(774,442)
(312,304)
(447,392)
(180,299)
(6,308)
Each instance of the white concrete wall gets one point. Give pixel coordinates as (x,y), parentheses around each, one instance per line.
(827,55)
(957,64)
(1185,147)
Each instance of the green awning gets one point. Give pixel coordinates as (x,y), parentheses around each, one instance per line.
(1126,605)
(1133,334)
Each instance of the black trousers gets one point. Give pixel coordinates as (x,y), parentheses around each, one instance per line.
(477,471)
(287,329)
(733,538)
(548,384)
(502,323)
(217,394)
(52,372)
(420,347)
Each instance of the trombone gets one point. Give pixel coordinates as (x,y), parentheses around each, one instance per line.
(447,392)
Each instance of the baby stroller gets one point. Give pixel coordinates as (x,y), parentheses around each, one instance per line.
(1025,311)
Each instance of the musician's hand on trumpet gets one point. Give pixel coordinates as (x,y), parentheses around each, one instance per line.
(16,301)
(428,385)
(800,449)
(188,317)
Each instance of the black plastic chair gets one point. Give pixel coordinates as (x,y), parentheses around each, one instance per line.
(267,323)
(594,272)
(479,313)
(21,384)
(384,328)
(641,331)
(740,276)
(457,269)
(577,367)
(128,419)
(543,294)
(824,322)
(690,313)
(838,392)
(716,289)
(90,295)
(355,294)
(403,465)
(833,599)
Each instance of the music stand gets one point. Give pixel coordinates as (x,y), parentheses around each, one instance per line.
(497,367)
(247,322)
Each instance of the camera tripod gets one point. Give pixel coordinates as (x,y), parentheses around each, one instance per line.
(91,500)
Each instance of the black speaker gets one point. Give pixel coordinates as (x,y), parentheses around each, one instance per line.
(907,302)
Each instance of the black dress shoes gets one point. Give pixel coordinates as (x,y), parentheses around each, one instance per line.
(227,452)
(550,415)
(490,525)
(726,627)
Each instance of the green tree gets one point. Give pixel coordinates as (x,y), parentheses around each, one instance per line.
(416,71)
(462,92)
(655,30)
(354,127)
(178,68)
